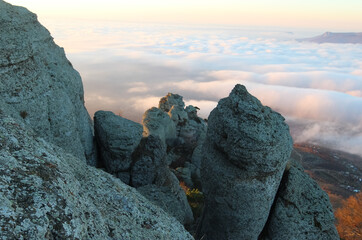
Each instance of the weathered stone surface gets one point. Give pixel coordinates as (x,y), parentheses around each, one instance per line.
(302,210)
(152,177)
(245,153)
(46,193)
(117,138)
(190,130)
(170,100)
(167,193)
(40,83)
(147,159)
(158,123)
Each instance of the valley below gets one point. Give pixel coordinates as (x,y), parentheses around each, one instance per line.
(338,173)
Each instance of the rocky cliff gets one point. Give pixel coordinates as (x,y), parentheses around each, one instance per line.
(47,191)
(38,81)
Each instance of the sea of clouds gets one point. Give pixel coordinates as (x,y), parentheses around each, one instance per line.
(127,68)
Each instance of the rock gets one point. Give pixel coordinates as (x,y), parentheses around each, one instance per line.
(158,123)
(117,139)
(41,85)
(152,177)
(47,193)
(245,153)
(190,129)
(147,159)
(185,173)
(302,210)
(167,194)
(170,100)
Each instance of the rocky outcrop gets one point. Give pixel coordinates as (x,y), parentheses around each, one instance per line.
(301,210)
(158,123)
(167,193)
(148,159)
(117,139)
(152,177)
(245,154)
(190,135)
(47,193)
(141,161)
(38,81)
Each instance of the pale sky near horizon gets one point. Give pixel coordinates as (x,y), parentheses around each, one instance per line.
(330,15)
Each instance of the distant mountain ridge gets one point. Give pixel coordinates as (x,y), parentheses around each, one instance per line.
(330,37)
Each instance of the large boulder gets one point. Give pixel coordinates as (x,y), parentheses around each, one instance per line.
(117,139)
(40,83)
(47,193)
(245,154)
(148,158)
(167,193)
(153,178)
(302,210)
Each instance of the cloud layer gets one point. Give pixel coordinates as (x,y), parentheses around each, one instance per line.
(126,68)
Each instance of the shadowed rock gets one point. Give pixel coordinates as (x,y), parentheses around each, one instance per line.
(245,153)
(117,138)
(302,210)
(152,177)
(147,160)
(47,193)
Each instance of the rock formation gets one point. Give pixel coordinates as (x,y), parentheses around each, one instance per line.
(141,161)
(245,153)
(301,210)
(117,139)
(152,177)
(39,82)
(47,193)
(190,134)
(47,190)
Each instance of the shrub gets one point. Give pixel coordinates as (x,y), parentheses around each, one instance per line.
(349,218)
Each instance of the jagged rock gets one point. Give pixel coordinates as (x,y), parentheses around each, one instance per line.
(46,193)
(170,100)
(147,159)
(152,177)
(117,139)
(158,123)
(302,210)
(190,129)
(167,193)
(245,153)
(40,83)
(185,173)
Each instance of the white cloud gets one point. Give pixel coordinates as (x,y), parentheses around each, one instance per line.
(128,67)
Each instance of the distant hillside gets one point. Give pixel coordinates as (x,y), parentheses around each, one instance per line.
(330,37)
(338,173)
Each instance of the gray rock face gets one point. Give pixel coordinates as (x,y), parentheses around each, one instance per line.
(245,153)
(152,177)
(169,101)
(190,134)
(147,160)
(46,193)
(158,123)
(41,84)
(167,194)
(302,210)
(117,138)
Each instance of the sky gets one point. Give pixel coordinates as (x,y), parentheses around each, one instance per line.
(332,15)
(150,48)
